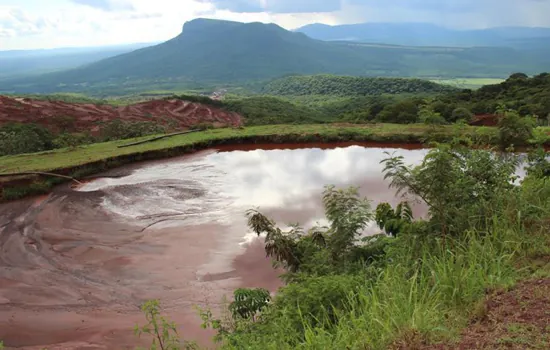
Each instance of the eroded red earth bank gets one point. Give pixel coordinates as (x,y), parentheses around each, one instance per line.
(86,117)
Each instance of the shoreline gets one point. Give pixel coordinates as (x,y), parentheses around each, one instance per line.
(82,162)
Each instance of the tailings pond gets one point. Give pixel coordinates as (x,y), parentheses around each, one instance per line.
(76,265)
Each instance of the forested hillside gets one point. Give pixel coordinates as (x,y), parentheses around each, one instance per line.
(349,86)
(526,95)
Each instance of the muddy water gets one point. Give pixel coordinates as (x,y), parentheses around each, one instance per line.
(76,265)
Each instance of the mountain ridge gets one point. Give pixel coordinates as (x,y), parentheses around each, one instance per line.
(220,52)
(425,34)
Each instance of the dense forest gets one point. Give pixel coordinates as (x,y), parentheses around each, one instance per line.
(529,96)
(526,95)
(350,86)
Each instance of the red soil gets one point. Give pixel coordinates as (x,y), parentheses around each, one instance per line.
(485,120)
(85,117)
(517,319)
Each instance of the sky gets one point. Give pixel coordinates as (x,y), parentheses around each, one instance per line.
(38,24)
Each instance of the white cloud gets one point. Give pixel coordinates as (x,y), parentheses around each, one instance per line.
(107,5)
(15,22)
(54,23)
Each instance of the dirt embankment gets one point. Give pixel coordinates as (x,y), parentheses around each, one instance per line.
(516,319)
(58,115)
(485,120)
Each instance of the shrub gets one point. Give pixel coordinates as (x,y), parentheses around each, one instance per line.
(118,129)
(515,130)
(24,138)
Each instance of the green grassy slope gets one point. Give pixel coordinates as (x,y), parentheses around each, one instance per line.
(91,159)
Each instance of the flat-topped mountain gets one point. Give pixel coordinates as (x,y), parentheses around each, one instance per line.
(212,51)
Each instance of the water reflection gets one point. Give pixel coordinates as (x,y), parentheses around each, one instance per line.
(216,188)
(220,186)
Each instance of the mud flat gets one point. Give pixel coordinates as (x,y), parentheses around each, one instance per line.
(76,265)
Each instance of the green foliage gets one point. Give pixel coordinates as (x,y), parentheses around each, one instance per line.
(460,186)
(393,222)
(202,126)
(163,332)
(461,113)
(528,96)
(514,129)
(428,116)
(419,284)
(538,163)
(24,138)
(348,86)
(402,112)
(348,216)
(66,140)
(118,129)
(264,110)
(248,303)
(314,301)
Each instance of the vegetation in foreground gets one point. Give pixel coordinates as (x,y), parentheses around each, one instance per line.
(417,283)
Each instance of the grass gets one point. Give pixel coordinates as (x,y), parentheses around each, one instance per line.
(65,158)
(90,159)
(410,305)
(427,296)
(469,83)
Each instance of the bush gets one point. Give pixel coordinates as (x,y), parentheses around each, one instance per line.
(515,130)
(118,129)
(461,113)
(24,138)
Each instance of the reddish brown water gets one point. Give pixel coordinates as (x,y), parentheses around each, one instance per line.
(75,266)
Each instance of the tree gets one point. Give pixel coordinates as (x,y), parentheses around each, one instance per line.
(460,186)
(248,303)
(24,138)
(514,130)
(461,113)
(393,222)
(348,215)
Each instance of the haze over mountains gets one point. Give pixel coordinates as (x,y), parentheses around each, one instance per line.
(15,63)
(221,52)
(422,34)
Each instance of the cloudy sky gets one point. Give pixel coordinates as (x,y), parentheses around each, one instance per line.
(29,24)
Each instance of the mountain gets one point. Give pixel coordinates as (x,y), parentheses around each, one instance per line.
(221,52)
(422,34)
(333,85)
(15,63)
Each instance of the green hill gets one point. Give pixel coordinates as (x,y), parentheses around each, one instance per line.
(349,86)
(220,52)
